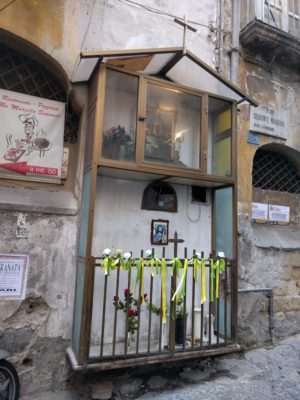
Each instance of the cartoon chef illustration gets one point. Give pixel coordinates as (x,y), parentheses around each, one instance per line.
(30,122)
(29,142)
(26,142)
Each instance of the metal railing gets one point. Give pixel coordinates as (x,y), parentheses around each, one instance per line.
(282,14)
(136,312)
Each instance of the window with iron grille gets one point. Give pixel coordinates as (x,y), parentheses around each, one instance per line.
(273,171)
(19,73)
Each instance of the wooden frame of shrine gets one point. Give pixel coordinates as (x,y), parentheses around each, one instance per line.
(128,304)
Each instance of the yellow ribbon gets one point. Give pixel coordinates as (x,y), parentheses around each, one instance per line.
(106,264)
(182,282)
(142,280)
(163,290)
(151,263)
(152,267)
(196,263)
(220,267)
(176,264)
(213,267)
(203,281)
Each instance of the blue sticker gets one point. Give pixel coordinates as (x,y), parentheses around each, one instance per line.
(252,139)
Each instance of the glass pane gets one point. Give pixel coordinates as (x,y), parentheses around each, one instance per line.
(84,212)
(272,13)
(78,306)
(291,6)
(120,110)
(297,28)
(219,137)
(172,127)
(223,221)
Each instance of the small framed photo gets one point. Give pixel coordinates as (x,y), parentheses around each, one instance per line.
(159,231)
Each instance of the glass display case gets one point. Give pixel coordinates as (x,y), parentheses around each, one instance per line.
(173,127)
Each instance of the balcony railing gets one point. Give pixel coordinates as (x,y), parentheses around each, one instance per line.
(138,305)
(282,14)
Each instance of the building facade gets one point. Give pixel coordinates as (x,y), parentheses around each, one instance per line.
(244,42)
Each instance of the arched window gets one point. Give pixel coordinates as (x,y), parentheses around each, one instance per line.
(20,73)
(274,171)
(159,196)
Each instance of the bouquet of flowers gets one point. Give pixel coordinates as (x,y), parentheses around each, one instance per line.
(130,307)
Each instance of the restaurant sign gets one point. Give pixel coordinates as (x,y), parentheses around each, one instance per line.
(31,135)
(269,121)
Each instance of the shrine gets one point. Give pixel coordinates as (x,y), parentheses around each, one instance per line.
(156,267)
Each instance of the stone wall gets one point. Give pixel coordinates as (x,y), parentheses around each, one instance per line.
(38,329)
(269,256)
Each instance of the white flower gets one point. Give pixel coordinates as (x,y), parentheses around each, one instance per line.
(127,256)
(148,253)
(106,252)
(198,255)
(119,252)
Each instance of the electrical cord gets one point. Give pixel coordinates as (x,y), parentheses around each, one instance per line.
(187,207)
(166,14)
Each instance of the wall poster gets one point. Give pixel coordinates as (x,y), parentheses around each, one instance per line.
(259,212)
(13,276)
(270,214)
(31,135)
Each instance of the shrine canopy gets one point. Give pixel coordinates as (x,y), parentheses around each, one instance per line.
(176,64)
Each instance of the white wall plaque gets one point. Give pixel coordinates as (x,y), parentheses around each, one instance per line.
(13,276)
(269,121)
(280,214)
(259,212)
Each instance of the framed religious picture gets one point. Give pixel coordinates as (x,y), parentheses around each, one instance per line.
(159,231)
(159,135)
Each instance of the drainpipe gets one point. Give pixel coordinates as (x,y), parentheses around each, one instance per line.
(269,294)
(235,22)
(219,45)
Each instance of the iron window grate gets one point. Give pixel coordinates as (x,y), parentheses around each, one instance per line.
(273,171)
(19,73)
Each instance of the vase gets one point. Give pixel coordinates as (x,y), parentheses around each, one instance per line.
(180,329)
(129,341)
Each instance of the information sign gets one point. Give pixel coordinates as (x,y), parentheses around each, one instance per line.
(259,212)
(13,276)
(269,121)
(279,214)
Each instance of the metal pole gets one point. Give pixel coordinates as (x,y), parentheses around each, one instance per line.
(235,41)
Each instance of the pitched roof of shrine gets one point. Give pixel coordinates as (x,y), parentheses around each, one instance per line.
(170,63)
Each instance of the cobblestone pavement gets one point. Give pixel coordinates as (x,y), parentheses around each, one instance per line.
(265,373)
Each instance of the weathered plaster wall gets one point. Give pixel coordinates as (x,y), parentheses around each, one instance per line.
(269,255)
(63,28)
(38,329)
(114,230)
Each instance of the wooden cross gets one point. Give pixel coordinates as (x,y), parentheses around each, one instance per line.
(175,240)
(185,27)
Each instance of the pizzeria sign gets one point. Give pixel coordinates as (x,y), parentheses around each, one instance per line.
(31,134)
